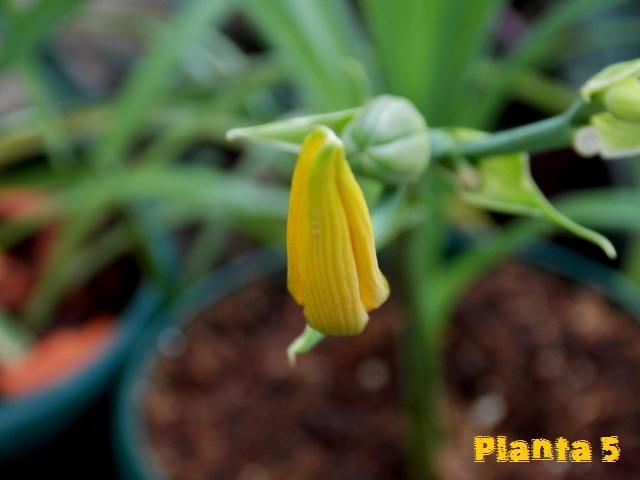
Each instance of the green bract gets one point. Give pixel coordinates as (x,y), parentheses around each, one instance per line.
(288,134)
(503,183)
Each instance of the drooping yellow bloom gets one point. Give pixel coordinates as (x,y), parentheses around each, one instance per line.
(332,266)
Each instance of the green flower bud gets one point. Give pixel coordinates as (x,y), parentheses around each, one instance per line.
(622,100)
(608,77)
(388,140)
(613,132)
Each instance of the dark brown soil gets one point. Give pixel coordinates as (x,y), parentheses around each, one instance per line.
(530,356)
(534,356)
(231,407)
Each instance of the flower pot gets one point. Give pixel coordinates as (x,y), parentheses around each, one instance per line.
(35,418)
(130,438)
(355,421)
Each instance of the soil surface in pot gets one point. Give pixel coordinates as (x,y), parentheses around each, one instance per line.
(530,355)
(229,406)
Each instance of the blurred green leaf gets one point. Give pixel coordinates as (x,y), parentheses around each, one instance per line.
(318,40)
(49,121)
(609,209)
(468,25)
(428,49)
(406,37)
(531,87)
(152,74)
(597,36)
(22,134)
(204,251)
(75,261)
(392,215)
(53,280)
(195,190)
(13,339)
(28,28)
(541,41)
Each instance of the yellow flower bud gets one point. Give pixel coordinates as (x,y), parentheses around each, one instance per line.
(332,266)
(388,140)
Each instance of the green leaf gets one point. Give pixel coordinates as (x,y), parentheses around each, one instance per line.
(606,34)
(197,191)
(151,75)
(308,339)
(540,43)
(531,87)
(53,281)
(318,40)
(29,28)
(48,120)
(427,49)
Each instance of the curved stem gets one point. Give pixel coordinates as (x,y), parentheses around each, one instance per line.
(550,133)
(554,132)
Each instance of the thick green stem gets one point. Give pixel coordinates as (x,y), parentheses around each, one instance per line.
(423,348)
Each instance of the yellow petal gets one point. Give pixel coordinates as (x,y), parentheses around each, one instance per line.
(312,144)
(329,276)
(333,270)
(374,288)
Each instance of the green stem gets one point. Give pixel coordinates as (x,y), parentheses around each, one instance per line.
(554,132)
(547,134)
(631,265)
(422,352)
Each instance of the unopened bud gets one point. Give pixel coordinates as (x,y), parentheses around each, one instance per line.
(608,77)
(613,132)
(388,140)
(623,100)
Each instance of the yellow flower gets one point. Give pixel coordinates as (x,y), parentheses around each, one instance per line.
(332,266)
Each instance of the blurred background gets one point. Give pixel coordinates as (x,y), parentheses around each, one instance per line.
(115,175)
